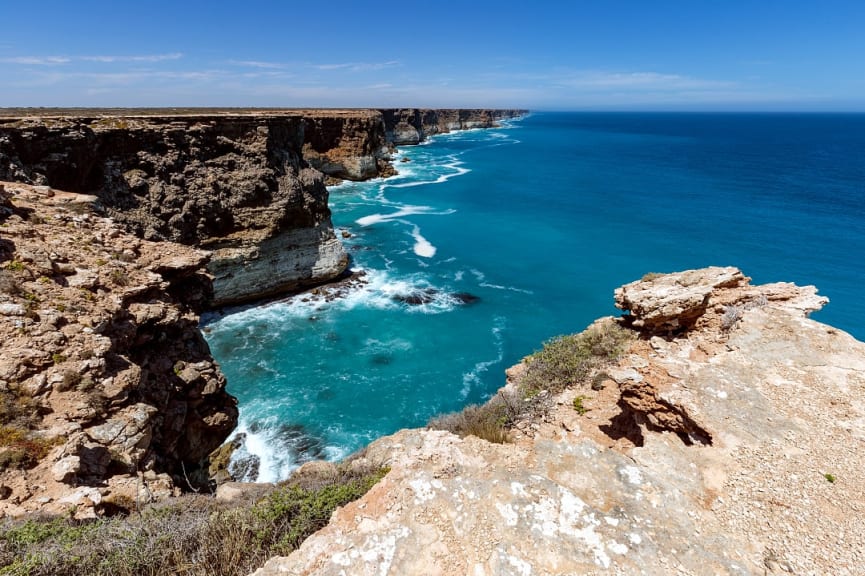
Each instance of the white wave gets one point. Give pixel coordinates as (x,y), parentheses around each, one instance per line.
(422,246)
(401,213)
(478,274)
(500,287)
(271,467)
(473,378)
(458,276)
(456,166)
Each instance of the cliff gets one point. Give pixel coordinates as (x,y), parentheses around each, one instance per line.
(236,185)
(109,397)
(726,439)
(414,125)
(246,185)
(358,146)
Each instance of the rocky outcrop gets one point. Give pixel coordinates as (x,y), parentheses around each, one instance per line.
(109,396)
(236,184)
(724,443)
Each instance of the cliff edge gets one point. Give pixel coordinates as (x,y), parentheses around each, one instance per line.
(727,439)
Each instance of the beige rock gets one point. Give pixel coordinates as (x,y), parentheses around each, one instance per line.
(724,472)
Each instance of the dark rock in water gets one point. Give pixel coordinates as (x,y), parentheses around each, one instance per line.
(418,297)
(293,438)
(303,445)
(381,359)
(245,469)
(427,295)
(466,298)
(326,394)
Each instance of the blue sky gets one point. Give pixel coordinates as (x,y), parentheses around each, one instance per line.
(598,54)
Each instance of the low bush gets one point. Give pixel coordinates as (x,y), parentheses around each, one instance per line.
(487,422)
(563,362)
(567,360)
(195,536)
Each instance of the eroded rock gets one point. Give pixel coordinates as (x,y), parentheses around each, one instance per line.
(704,453)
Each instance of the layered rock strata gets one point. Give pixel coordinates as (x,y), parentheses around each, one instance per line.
(727,440)
(109,396)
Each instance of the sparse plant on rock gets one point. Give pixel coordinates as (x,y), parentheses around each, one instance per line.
(732,314)
(566,360)
(578,405)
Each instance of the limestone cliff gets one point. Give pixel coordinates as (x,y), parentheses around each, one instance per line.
(356,145)
(414,125)
(727,440)
(236,184)
(109,396)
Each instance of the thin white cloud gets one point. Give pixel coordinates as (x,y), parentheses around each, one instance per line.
(258,64)
(358,66)
(58,60)
(36,60)
(652,81)
(144,58)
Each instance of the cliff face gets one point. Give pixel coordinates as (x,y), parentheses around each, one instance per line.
(108,393)
(414,125)
(726,440)
(237,185)
(347,146)
(356,145)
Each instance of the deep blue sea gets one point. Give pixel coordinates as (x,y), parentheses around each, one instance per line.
(540,219)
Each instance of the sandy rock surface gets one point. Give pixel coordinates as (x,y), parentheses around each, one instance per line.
(733,444)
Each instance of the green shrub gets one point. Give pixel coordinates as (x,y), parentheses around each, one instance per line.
(20,450)
(578,405)
(563,362)
(566,360)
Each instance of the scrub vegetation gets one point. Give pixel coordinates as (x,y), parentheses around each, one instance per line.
(196,535)
(563,362)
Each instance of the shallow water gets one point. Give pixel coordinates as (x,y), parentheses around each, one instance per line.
(540,220)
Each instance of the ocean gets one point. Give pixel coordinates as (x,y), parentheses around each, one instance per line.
(490,242)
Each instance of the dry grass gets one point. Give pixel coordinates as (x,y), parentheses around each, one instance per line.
(194,536)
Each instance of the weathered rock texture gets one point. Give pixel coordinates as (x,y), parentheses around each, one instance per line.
(108,393)
(235,184)
(733,446)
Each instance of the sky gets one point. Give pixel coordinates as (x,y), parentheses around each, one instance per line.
(779,55)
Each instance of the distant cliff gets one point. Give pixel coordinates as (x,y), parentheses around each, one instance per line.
(414,125)
(358,146)
(247,185)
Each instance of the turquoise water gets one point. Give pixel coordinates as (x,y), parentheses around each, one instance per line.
(540,220)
